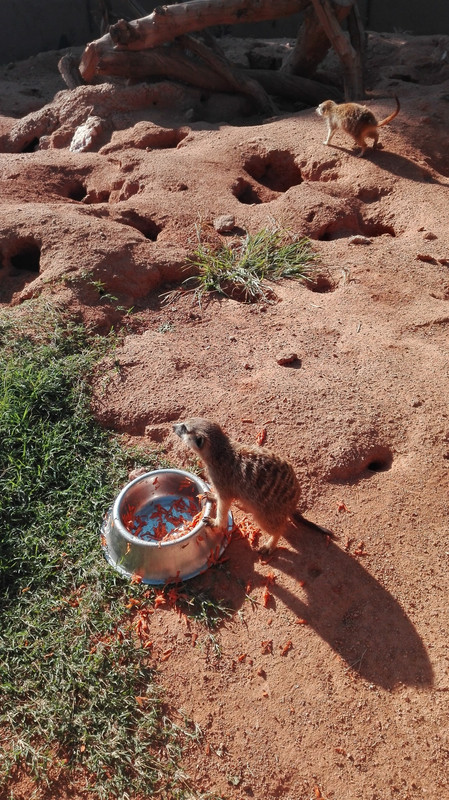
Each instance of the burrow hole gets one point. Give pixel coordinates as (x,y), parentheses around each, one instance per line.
(321,284)
(31,147)
(352,225)
(162,138)
(276,170)
(245,192)
(76,190)
(376,459)
(380,459)
(148,227)
(25,257)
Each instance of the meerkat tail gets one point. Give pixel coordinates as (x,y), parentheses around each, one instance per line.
(391,116)
(298,519)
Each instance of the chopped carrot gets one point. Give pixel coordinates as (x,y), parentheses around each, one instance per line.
(133,601)
(266,597)
(261,437)
(166,655)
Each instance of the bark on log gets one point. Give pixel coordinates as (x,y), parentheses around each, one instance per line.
(173,63)
(68,68)
(352,73)
(238,81)
(312,43)
(168,22)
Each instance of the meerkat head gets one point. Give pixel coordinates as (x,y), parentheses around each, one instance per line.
(204,437)
(325,108)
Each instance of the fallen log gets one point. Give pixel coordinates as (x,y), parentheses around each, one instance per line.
(168,22)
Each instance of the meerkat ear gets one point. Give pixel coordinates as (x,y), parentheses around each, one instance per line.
(199,441)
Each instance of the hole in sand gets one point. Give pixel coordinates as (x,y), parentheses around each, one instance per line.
(31,147)
(380,464)
(276,170)
(321,284)
(245,192)
(371,194)
(147,227)
(352,225)
(377,458)
(26,258)
(76,191)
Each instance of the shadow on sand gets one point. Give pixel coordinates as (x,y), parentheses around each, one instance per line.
(345,605)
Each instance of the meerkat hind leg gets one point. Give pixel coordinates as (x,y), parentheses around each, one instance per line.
(270,546)
(363,145)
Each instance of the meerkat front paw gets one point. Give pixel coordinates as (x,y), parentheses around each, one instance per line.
(207,496)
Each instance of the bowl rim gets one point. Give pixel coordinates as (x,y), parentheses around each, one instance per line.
(117,522)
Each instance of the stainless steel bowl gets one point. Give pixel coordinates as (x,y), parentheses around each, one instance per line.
(131,530)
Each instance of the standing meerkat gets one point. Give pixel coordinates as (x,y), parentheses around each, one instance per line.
(253,477)
(355,119)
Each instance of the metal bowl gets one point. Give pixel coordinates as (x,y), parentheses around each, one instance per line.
(147,533)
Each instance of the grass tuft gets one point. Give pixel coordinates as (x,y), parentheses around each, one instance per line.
(244,268)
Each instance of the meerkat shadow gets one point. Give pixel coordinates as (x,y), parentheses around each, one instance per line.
(398,164)
(230,581)
(348,608)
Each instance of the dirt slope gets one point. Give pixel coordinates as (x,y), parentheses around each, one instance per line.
(340,685)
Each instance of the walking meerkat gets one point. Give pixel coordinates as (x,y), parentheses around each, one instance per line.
(355,119)
(254,477)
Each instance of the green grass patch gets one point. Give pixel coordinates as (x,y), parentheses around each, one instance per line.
(245,268)
(70,670)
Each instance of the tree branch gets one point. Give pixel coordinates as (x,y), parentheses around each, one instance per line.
(352,78)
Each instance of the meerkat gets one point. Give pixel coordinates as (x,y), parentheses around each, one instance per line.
(355,119)
(255,478)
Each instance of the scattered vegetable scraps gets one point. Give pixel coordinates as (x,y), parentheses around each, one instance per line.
(164,521)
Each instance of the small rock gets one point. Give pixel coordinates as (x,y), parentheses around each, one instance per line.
(224,223)
(359,240)
(287,358)
(444,262)
(430,236)
(86,134)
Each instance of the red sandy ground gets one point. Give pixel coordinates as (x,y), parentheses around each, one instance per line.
(350,699)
